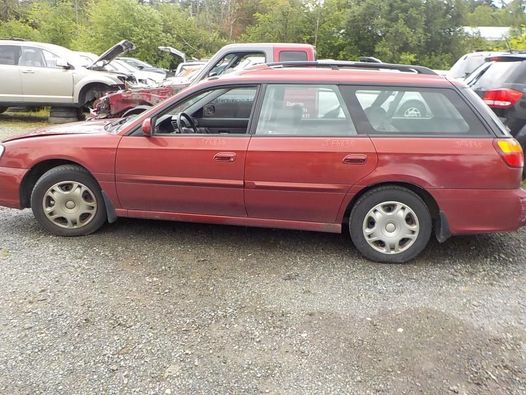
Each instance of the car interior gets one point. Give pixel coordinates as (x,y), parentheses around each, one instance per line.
(312,110)
(220,111)
(438,114)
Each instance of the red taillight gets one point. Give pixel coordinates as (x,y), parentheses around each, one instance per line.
(511,151)
(502,98)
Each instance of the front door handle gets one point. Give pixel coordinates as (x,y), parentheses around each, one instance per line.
(355,159)
(28,71)
(225,156)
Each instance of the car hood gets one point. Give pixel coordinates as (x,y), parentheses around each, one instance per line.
(86,127)
(174,52)
(118,49)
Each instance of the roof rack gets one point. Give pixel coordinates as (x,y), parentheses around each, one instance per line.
(358,65)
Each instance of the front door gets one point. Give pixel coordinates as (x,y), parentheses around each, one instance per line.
(305,155)
(42,80)
(194,162)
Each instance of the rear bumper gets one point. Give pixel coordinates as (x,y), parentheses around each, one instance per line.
(10,181)
(482,211)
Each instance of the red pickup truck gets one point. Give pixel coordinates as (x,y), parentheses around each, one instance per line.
(230,58)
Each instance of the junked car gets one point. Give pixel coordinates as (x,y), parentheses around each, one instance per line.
(36,74)
(229,58)
(298,146)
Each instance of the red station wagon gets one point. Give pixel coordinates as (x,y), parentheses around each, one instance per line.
(312,146)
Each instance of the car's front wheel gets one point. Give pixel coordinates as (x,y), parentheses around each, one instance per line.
(390,224)
(67,201)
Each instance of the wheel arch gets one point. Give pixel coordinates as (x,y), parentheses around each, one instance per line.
(85,89)
(428,199)
(37,171)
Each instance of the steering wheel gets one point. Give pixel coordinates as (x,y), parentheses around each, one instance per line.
(188,121)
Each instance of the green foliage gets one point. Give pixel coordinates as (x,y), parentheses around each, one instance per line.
(424,32)
(18,29)
(279,21)
(110,21)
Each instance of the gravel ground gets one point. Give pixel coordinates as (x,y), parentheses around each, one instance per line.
(152,307)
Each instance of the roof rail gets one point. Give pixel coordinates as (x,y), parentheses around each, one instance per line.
(359,65)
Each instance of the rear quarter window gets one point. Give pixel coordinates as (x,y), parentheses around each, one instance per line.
(412,111)
(292,56)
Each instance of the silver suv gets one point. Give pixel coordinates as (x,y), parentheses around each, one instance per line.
(38,74)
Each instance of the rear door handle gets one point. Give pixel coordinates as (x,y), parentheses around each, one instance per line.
(28,71)
(355,159)
(225,156)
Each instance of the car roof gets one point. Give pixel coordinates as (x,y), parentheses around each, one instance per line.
(265,73)
(267,45)
(516,57)
(32,43)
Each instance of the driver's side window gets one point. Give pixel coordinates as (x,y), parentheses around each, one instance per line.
(218,111)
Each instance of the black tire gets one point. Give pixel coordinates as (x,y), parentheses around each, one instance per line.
(58,175)
(3,109)
(380,195)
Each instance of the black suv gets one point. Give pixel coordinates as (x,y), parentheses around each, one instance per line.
(501,82)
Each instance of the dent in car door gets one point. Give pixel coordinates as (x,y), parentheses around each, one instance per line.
(304,156)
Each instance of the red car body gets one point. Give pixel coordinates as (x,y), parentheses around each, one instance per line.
(278,181)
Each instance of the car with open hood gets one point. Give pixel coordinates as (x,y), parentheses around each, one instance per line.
(34,74)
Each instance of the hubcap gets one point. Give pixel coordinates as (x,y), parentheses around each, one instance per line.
(391,227)
(70,204)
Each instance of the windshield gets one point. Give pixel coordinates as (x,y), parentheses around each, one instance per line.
(465,66)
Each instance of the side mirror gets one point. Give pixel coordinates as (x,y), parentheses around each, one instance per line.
(62,63)
(147,127)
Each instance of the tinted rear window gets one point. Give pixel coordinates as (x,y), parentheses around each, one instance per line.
(497,74)
(292,56)
(412,111)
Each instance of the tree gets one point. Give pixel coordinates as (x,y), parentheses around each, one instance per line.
(280,21)
(110,21)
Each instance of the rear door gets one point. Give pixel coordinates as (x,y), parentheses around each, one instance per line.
(10,81)
(444,147)
(42,80)
(305,154)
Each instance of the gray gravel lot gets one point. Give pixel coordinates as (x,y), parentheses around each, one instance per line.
(158,307)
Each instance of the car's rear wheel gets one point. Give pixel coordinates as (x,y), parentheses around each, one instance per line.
(390,224)
(67,201)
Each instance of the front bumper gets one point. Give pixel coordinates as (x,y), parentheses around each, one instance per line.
(482,211)
(10,181)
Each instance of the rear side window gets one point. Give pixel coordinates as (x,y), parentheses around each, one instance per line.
(304,110)
(413,111)
(292,56)
(9,55)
